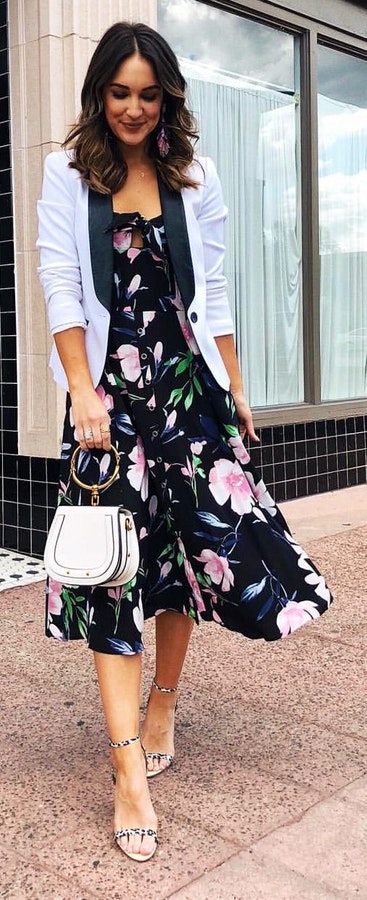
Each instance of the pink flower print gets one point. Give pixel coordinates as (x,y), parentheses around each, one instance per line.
(187,470)
(294,615)
(106,398)
(122,240)
(104,465)
(239,449)
(142,533)
(158,350)
(138,473)
(217,568)
(171,420)
(55,632)
(115,592)
(165,570)
(153,506)
(151,403)
(148,317)
(133,286)
(130,363)
(191,578)
(196,447)
(132,253)
(226,480)
(54,597)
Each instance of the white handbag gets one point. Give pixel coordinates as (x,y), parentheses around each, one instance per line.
(92,545)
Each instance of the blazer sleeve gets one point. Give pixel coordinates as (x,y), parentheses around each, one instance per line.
(59,269)
(211,219)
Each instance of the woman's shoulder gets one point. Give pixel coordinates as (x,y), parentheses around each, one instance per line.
(58,161)
(203,170)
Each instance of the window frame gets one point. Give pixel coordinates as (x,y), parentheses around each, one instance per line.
(311,32)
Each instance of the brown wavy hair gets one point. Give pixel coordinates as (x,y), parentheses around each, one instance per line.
(96,152)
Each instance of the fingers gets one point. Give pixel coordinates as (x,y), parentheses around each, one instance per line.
(98,436)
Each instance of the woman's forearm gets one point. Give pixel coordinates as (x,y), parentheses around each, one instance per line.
(227,350)
(72,352)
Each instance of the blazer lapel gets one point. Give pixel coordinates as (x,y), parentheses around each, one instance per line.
(178,241)
(101,245)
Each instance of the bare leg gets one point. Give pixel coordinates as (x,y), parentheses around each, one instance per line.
(173,632)
(119,682)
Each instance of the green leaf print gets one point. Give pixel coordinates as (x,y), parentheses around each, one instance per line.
(232,430)
(184,364)
(175,397)
(197,385)
(188,400)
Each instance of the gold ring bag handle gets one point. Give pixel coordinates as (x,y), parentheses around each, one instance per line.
(92,544)
(95,488)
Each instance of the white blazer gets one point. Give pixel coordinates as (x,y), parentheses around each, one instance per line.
(76,259)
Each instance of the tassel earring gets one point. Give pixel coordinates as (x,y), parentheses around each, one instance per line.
(162,137)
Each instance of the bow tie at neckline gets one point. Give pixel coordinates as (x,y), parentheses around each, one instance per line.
(130,220)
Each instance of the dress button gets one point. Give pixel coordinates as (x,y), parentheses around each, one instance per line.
(194,317)
(143,356)
(159,459)
(154,433)
(140,330)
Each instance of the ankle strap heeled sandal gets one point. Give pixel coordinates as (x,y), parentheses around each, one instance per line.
(132,832)
(167,758)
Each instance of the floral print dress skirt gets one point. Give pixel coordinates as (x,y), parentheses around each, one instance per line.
(213,545)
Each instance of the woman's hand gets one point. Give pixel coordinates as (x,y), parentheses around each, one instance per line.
(91,419)
(246,425)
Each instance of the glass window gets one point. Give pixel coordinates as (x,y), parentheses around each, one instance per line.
(343,223)
(241,77)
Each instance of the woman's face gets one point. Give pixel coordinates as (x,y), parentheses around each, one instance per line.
(133,101)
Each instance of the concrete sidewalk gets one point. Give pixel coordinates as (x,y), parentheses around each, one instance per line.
(268,796)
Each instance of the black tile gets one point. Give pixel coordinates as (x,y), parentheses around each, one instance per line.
(7,296)
(351,441)
(310,430)
(320,428)
(352,477)
(266,436)
(38,469)
(341,443)
(332,461)
(10,537)
(39,518)
(301,487)
(311,465)
(24,467)
(361,458)
(322,464)
(361,439)
(38,542)
(280,492)
(341,461)
(52,470)
(8,321)
(331,427)
(331,445)
(279,453)
(267,455)
(289,450)
(359,423)
(8,347)
(300,431)
(290,469)
(279,472)
(24,511)
(5,187)
(310,448)
(300,448)
(10,442)
(361,475)
(278,434)
(10,418)
(301,468)
(3,13)
(313,484)
(38,493)
(323,483)
(24,540)
(255,454)
(7,279)
(10,466)
(340,426)
(267,474)
(343,479)
(321,446)
(332,480)
(10,490)
(10,511)
(291,490)
(5,157)
(4,111)
(9,395)
(9,371)
(24,491)
(352,459)
(289,434)
(6,210)
(350,425)
(3,37)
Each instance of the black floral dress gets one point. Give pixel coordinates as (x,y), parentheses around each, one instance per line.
(213,545)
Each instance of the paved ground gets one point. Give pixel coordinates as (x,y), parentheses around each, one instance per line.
(268,798)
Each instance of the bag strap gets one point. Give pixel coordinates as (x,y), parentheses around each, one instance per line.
(95,488)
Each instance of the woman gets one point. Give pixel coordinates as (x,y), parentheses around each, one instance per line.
(131,241)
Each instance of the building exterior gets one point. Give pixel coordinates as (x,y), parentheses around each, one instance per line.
(280,93)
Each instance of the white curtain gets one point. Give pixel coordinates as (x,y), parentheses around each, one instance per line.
(250,132)
(343,247)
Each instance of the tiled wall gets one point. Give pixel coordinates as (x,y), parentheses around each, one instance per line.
(295,459)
